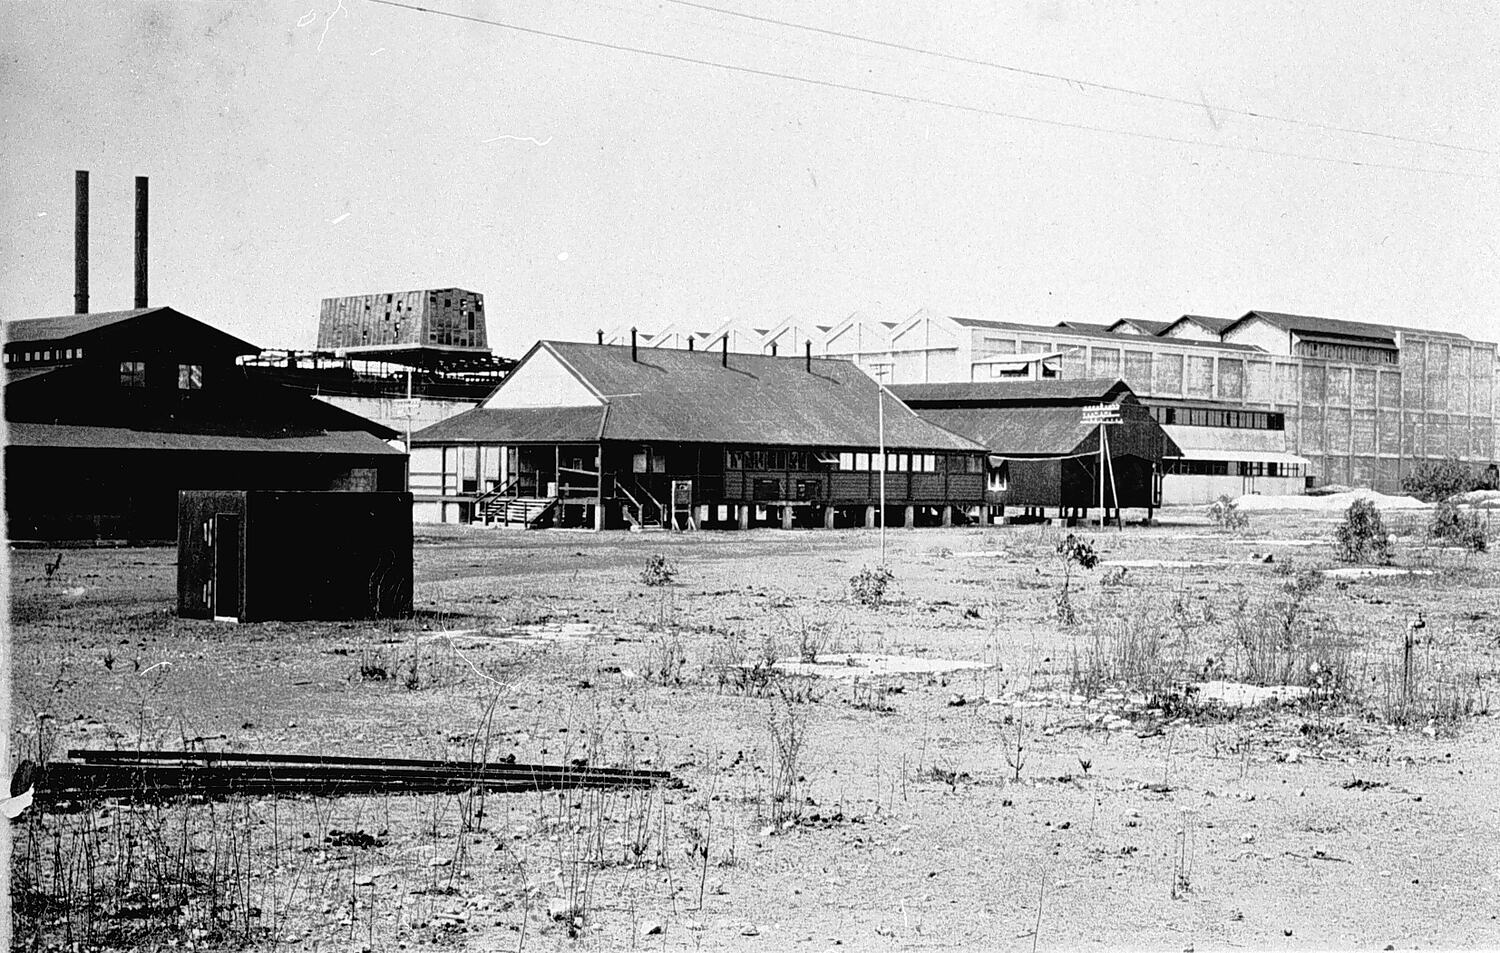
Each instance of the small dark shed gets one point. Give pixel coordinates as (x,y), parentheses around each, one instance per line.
(257,555)
(1044,453)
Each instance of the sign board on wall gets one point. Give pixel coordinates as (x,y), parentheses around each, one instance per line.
(682,505)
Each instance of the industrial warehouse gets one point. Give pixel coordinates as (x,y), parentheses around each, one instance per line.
(109,415)
(1267,403)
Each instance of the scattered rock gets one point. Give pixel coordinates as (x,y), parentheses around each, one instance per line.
(559,908)
(749,929)
(956,700)
(652,928)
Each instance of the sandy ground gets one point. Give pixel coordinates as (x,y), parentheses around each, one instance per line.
(1311,826)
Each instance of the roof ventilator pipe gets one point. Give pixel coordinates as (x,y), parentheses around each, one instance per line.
(633,357)
(601,335)
(690,342)
(807,348)
(725,359)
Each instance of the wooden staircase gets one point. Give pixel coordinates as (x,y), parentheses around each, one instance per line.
(507,507)
(643,512)
(528,512)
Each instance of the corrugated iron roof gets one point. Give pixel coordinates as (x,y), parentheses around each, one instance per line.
(1026,431)
(691,397)
(70,326)
(529,425)
(75,436)
(1020,391)
(1196,441)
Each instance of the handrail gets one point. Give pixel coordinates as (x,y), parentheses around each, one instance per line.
(620,485)
(497,491)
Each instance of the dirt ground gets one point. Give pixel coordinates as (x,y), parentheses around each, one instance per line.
(1056,792)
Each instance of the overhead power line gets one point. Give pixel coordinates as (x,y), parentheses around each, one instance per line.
(928,101)
(1123,90)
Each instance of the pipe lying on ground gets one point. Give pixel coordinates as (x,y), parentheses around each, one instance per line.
(158,775)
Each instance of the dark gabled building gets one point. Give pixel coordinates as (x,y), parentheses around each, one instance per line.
(110,414)
(606,435)
(1043,453)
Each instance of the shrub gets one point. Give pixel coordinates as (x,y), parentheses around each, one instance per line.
(665,659)
(868,586)
(789,730)
(658,571)
(1446,522)
(1440,480)
(1226,515)
(1072,551)
(1450,525)
(1362,536)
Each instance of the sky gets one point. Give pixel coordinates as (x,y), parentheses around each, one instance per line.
(316,148)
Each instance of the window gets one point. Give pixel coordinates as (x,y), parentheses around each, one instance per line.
(189,376)
(132,373)
(734,459)
(846,461)
(70,354)
(861,461)
(46,355)
(447,302)
(79,352)
(999,478)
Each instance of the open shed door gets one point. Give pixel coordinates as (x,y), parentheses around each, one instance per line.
(226,567)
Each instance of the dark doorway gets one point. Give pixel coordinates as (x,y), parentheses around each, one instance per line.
(227,566)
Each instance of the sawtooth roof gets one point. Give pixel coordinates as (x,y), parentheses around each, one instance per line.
(1144,325)
(1074,330)
(1308,324)
(691,397)
(1216,325)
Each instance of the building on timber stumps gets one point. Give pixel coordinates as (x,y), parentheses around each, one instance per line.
(606,436)
(1044,450)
